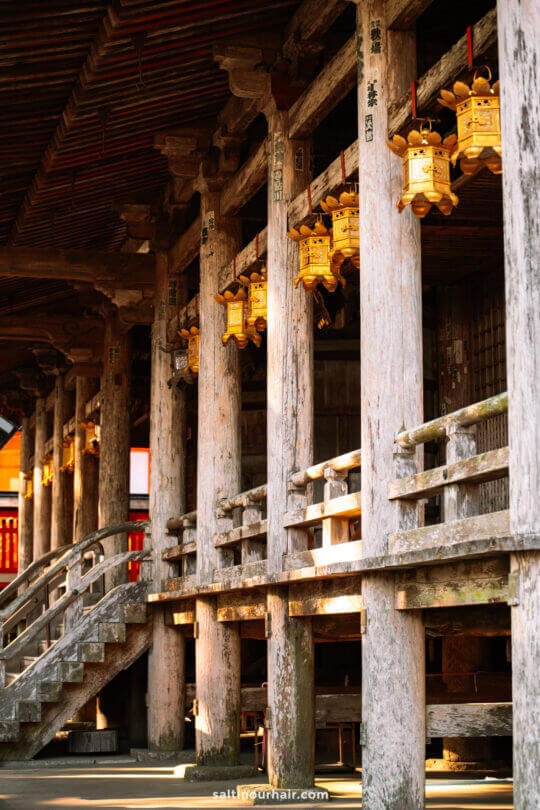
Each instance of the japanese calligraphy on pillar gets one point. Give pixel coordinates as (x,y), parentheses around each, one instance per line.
(375,36)
(277,170)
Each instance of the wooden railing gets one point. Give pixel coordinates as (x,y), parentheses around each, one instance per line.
(61,567)
(184,553)
(458,480)
(243,544)
(246,541)
(59,617)
(30,574)
(339,511)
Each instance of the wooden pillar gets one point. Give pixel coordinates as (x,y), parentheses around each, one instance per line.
(166,659)
(393,670)
(290,448)
(42,495)
(217,656)
(85,471)
(519,65)
(25,505)
(60,529)
(113,506)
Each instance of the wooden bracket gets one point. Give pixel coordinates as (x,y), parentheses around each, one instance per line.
(268,625)
(195,707)
(195,629)
(513,590)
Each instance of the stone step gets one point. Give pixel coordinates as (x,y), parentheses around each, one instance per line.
(71,671)
(29,711)
(91,651)
(112,632)
(9,730)
(135,613)
(49,691)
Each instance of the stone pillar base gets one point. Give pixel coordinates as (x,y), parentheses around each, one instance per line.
(215,773)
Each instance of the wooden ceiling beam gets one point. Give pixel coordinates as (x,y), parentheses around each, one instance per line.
(249,178)
(330,87)
(401,15)
(186,248)
(119,270)
(79,338)
(312,20)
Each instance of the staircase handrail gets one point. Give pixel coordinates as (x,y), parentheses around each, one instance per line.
(26,575)
(17,646)
(73,553)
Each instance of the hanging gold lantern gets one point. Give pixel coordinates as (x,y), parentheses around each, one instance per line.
(426,171)
(316,266)
(345,225)
(257,310)
(192,336)
(47,473)
(478,124)
(68,455)
(236,304)
(91,439)
(28,485)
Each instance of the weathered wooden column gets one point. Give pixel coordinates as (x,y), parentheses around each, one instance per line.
(113,506)
(217,655)
(291,700)
(166,659)
(86,469)
(519,64)
(393,670)
(25,505)
(60,528)
(42,495)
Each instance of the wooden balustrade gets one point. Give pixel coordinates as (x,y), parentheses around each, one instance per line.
(248,538)
(39,632)
(340,509)
(185,552)
(457,480)
(54,569)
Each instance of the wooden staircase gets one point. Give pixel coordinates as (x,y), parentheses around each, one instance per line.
(40,692)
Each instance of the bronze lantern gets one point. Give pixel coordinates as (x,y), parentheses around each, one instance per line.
(345,225)
(47,473)
(257,308)
(91,439)
(316,266)
(28,485)
(426,171)
(236,304)
(193,338)
(68,455)
(478,124)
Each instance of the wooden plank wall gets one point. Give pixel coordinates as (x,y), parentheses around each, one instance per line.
(488,345)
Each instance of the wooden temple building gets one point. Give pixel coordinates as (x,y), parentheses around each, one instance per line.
(201,253)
